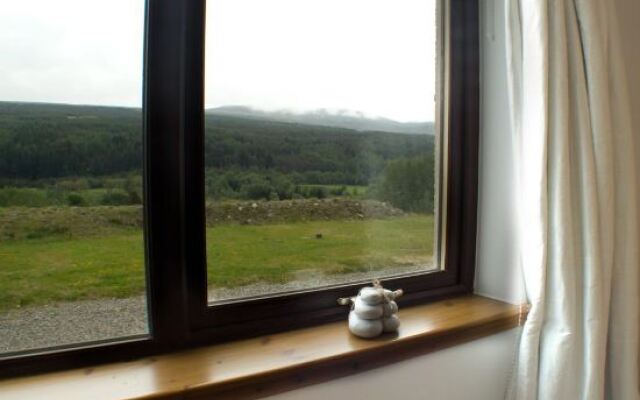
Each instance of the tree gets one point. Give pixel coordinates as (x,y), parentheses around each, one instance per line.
(408,184)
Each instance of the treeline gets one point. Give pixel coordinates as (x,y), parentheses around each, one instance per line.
(266,185)
(82,191)
(405,183)
(40,141)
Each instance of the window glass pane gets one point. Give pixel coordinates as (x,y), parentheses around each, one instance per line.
(320,142)
(71,242)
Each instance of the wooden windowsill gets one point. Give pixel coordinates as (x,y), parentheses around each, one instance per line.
(258,367)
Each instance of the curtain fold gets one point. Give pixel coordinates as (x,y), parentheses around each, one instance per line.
(577,202)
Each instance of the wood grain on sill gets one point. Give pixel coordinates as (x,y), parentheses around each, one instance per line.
(257,367)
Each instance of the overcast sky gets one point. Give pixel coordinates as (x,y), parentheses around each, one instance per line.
(72,51)
(371,56)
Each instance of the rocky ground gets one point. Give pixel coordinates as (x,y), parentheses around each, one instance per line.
(18,223)
(269,212)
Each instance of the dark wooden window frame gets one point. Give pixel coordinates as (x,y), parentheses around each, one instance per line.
(173,120)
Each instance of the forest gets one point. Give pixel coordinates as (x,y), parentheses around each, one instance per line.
(88,155)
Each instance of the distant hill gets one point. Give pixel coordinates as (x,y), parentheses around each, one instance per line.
(318,118)
(39,140)
(11,109)
(345,120)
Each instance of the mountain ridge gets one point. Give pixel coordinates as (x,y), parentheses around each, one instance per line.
(322,117)
(345,119)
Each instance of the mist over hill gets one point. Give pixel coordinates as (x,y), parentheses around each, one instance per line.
(344,119)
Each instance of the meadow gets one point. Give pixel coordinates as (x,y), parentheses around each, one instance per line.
(100,254)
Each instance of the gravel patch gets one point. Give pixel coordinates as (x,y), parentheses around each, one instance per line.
(73,322)
(310,279)
(91,320)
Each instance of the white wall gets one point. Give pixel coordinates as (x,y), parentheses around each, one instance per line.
(476,370)
(497,275)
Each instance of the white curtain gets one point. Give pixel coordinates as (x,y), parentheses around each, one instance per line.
(577,202)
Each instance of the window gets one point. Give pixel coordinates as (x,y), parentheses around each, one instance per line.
(259,211)
(71,242)
(320,143)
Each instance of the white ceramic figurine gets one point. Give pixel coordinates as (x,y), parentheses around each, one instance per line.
(373,311)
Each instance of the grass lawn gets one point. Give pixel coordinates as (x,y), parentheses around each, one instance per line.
(46,270)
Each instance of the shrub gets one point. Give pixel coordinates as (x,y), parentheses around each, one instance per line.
(257,191)
(75,200)
(319,192)
(95,183)
(23,197)
(134,197)
(338,191)
(408,184)
(72,184)
(273,196)
(281,186)
(115,198)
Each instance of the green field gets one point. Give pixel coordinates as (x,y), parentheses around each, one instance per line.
(64,266)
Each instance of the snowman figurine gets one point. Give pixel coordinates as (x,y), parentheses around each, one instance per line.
(373,311)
